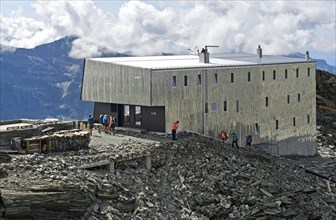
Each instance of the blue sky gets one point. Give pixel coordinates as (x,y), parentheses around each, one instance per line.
(153,27)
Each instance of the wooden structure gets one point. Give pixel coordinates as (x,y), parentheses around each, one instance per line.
(38,144)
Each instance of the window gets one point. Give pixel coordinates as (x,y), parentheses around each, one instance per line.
(174,82)
(114,108)
(225,106)
(199,79)
(249,77)
(138,115)
(185,80)
(263,75)
(206,108)
(256,128)
(232,77)
(286,73)
(237,105)
(214,106)
(276,124)
(308,119)
(126,114)
(294,121)
(299,97)
(215,78)
(274,74)
(297,72)
(266,101)
(288,99)
(308,72)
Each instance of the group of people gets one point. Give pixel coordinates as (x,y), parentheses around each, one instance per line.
(235,138)
(108,123)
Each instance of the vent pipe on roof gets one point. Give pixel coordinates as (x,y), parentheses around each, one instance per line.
(204,56)
(307,55)
(259,52)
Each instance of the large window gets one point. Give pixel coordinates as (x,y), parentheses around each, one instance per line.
(138,115)
(126,114)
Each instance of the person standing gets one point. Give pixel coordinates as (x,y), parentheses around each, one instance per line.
(248,141)
(174,128)
(224,136)
(235,139)
(90,121)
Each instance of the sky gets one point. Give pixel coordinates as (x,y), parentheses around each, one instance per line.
(155,27)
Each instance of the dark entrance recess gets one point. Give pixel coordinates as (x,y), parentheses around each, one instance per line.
(145,117)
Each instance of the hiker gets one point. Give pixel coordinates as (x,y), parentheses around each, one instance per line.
(248,141)
(114,122)
(105,122)
(174,128)
(235,139)
(110,127)
(224,136)
(90,121)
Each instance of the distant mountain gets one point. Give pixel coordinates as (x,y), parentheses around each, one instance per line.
(320,64)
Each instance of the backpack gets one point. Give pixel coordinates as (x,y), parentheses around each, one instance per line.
(105,120)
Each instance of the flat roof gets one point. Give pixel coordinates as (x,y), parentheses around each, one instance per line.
(192,61)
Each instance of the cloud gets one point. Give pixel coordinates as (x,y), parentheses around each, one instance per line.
(139,28)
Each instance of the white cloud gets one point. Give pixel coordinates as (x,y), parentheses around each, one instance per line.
(141,29)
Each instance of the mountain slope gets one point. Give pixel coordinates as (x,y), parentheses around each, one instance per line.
(42,82)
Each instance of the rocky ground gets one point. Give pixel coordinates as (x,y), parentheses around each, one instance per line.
(192,178)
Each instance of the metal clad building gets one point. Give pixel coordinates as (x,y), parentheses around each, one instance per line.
(271,98)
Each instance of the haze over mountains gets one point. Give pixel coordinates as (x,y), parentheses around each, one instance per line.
(45,82)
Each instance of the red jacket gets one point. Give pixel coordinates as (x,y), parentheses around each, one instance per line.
(175,126)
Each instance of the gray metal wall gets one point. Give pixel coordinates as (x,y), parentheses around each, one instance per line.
(111,83)
(187,103)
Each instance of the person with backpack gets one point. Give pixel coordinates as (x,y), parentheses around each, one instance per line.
(224,136)
(235,139)
(105,122)
(248,141)
(90,121)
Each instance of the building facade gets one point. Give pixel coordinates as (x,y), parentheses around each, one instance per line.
(272,98)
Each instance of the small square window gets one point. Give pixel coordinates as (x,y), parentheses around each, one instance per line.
(214,106)
(199,79)
(276,124)
(263,75)
(232,77)
(215,78)
(286,73)
(174,82)
(274,74)
(225,106)
(185,80)
(249,77)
